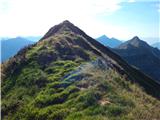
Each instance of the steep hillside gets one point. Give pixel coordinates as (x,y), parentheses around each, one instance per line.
(110,42)
(11,46)
(68,75)
(138,53)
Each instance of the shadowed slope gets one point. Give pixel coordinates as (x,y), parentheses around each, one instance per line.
(138,53)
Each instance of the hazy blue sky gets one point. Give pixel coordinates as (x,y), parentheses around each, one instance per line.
(122,19)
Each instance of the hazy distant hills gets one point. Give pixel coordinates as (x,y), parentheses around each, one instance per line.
(157,45)
(138,53)
(67,75)
(9,47)
(31,38)
(110,42)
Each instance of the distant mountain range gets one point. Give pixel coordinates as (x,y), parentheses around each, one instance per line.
(138,53)
(157,45)
(110,42)
(31,38)
(68,75)
(9,47)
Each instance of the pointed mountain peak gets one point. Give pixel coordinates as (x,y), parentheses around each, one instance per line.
(103,38)
(110,42)
(60,28)
(66,22)
(135,42)
(135,38)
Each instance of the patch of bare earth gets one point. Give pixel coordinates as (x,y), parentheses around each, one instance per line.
(104,102)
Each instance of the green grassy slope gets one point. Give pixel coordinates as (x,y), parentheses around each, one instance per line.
(88,92)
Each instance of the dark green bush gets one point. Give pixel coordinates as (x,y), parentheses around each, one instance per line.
(88,98)
(30,77)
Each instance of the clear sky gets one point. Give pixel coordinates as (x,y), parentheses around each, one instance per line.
(121,19)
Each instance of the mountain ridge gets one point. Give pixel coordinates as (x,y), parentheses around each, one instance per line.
(99,46)
(68,75)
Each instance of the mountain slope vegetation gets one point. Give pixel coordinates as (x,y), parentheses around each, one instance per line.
(68,75)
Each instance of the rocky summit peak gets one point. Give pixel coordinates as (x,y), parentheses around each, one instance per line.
(63,26)
(66,21)
(136,42)
(135,38)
